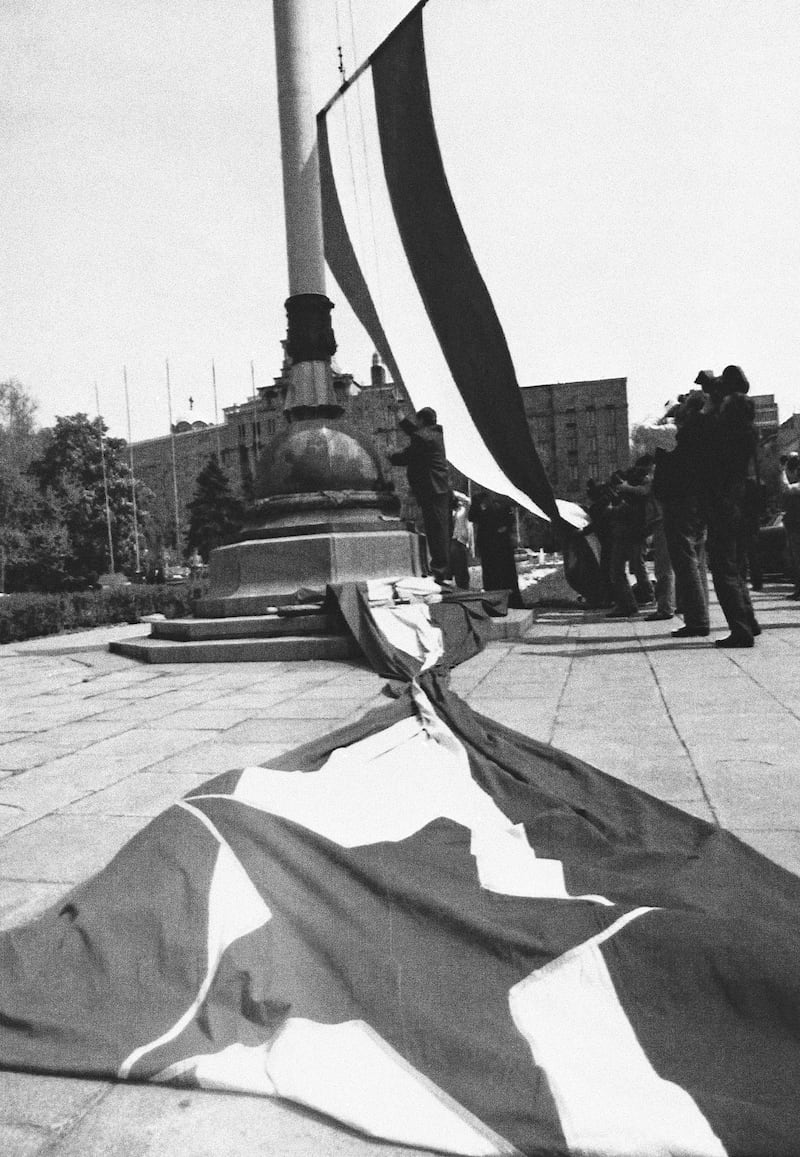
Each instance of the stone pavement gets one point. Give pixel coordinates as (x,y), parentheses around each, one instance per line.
(93,745)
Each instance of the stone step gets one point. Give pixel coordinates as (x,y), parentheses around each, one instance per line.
(514,625)
(280,649)
(246,627)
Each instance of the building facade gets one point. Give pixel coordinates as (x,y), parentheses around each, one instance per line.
(766,416)
(169,465)
(580,430)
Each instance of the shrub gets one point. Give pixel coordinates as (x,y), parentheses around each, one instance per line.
(29,616)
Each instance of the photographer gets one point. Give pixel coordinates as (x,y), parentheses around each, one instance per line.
(790,504)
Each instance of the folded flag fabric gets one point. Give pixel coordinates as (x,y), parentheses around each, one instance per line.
(443,934)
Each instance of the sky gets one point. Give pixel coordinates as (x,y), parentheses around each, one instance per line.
(626,171)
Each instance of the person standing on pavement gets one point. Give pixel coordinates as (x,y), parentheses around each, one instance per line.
(790,504)
(429,481)
(461,542)
(728,447)
(676,483)
(627,541)
(493,516)
(658,438)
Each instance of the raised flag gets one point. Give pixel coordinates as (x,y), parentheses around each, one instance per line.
(395,244)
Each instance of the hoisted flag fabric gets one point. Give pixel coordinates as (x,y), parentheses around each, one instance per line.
(396,246)
(440,933)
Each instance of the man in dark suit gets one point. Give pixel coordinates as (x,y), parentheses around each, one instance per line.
(429,480)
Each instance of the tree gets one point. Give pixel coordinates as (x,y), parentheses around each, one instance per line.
(215,513)
(70,469)
(27,522)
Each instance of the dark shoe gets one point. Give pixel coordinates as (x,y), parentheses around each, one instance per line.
(658,616)
(735,641)
(691,633)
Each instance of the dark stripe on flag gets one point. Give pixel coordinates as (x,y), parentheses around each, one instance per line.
(714,1004)
(114,963)
(455,296)
(429,968)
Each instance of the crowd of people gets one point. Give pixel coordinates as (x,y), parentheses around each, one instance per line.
(450,517)
(696,495)
(694,499)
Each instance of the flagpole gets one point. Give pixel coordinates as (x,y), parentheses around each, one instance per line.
(105,478)
(216,411)
(174,467)
(133,477)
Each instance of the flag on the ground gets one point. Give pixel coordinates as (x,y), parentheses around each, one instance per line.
(395,244)
(441,933)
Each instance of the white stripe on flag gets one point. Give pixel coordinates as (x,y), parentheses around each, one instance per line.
(410,630)
(351,1073)
(388,787)
(385,267)
(609,1098)
(235,908)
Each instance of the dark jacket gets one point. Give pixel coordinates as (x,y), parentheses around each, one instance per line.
(728,444)
(425,462)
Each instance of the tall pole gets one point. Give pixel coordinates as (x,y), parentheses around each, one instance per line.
(310,342)
(216,410)
(133,476)
(105,479)
(174,467)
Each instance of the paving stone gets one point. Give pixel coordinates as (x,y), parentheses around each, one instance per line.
(780,844)
(64,849)
(200,719)
(290,731)
(25,753)
(81,733)
(211,758)
(142,1121)
(144,793)
(28,1099)
(23,1140)
(749,794)
(43,790)
(21,901)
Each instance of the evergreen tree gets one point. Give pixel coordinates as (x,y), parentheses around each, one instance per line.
(215,512)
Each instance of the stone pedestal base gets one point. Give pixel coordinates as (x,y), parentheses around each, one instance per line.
(248,577)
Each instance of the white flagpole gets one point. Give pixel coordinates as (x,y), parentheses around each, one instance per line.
(174,467)
(105,478)
(216,411)
(133,477)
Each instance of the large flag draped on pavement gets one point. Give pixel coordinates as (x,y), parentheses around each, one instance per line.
(396,246)
(441,933)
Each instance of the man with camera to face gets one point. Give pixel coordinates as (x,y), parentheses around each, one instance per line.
(790,504)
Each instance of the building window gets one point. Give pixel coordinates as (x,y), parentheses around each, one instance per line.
(572,438)
(591,417)
(270,425)
(573,475)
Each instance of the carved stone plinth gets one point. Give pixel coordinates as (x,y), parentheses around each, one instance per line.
(246,578)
